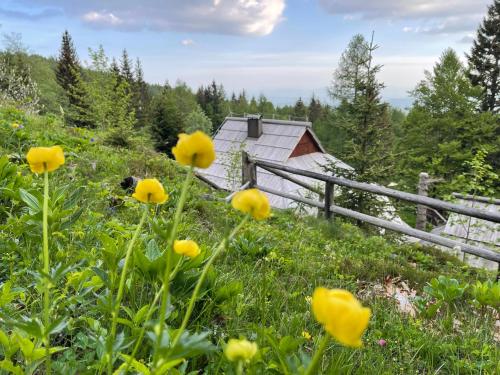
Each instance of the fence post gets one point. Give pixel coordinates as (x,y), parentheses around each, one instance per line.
(248,170)
(328,199)
(422,189)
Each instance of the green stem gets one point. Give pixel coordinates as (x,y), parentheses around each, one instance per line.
(168,266)
(175,270)
(201,279)
(311,370)
(46,270)
(121,287)
(239,368)
(148,316)
(143,329)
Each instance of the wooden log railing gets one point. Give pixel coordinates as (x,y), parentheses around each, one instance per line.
(249,175)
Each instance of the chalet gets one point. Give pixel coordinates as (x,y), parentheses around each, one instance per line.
(291,143)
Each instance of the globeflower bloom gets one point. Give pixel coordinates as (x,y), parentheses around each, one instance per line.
(341,314)
(188,248)
(306,335)
(196,149)
(240,350)
(43,159)
(150,190)
(15,125)
(252,201)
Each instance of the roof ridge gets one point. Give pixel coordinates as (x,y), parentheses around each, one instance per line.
(307,124)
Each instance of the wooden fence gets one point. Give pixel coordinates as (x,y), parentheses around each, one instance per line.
(249,179)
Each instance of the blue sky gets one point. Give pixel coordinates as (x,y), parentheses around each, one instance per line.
(281,48)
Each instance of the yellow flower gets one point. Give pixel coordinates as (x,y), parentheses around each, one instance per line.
(15,125)
(240,350)
(188,248)
(150,190)
(341,314)
(43,159)
(306,335)
(252,201)
(195,149)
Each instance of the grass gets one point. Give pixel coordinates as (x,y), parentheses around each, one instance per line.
(257,289)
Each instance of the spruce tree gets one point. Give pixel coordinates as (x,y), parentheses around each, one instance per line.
(166,120)
(68,74)
(141,95)
(315,110)
(126,68)
(484,59)
(300,110)
(67,63)
(365,120)
(212,100)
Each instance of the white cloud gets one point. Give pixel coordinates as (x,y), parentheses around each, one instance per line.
(432,16)
(102,18)
(240,17)
(187,42)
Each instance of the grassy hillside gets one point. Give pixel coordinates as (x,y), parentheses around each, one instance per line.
(259,289)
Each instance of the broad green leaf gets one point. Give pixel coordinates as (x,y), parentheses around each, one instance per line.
(31,201)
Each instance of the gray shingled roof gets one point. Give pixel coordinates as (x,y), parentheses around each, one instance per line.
(279,138)
(462,226)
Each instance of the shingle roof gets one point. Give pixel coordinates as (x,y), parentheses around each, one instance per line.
(279,138)
(462,226)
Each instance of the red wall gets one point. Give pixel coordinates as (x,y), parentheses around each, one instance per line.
(306,145)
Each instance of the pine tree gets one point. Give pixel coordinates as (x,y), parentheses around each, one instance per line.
(141,95)
(365,120)
(212,100)
(167,121)
(484,60)
(67,63)
(68,74)
(126,68)
(315,110)
(300,110)
(242,102)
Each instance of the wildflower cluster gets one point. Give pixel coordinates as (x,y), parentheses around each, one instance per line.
(340,313)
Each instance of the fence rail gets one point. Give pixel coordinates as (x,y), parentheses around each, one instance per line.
(249,175)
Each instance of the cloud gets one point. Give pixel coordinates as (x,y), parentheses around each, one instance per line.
(188,42)
(236,17)
(44,13)
(467,39)
(102,18)
(432,16)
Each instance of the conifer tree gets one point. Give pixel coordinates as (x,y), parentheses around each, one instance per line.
(365,119)
(166,120)
(126,69)
(443,128)
(484,59)
(212,100)
(315,110)
(68,74)
(300,110)
(141,95)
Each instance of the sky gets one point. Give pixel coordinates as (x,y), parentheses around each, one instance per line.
(280,48)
